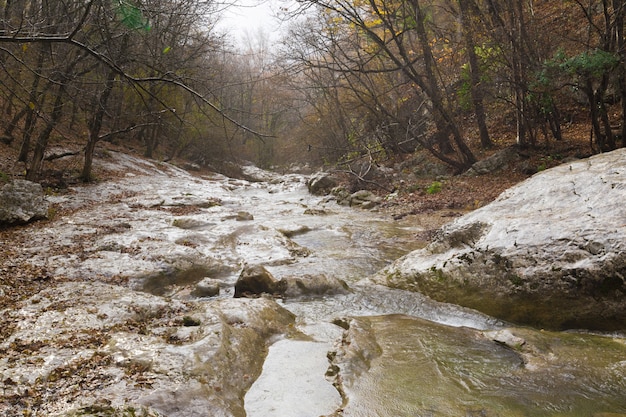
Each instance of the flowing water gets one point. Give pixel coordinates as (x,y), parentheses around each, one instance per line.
(371,351)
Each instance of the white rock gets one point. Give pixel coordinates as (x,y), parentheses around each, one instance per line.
(555,243)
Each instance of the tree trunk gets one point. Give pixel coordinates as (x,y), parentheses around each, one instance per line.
(42,141)
(8,130)
(32,105)
(619,7)
(594,115)
(448,123)
(517,62)
(151,140)
(96,124)
(476,89)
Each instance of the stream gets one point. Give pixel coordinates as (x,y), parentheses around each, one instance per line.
(370,351)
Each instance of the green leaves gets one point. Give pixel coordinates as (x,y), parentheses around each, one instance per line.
(131,16)
(591,63)
(588,64)
(434,188)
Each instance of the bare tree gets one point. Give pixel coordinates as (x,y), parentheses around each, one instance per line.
(467,21)
(151,49)
(396,34)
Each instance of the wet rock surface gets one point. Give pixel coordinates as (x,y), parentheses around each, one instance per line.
(549,252)
(312,286)
(109,309)
(76,346)
(123,303)
(208,287)
(256,280)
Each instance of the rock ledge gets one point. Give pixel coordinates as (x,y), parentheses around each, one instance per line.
(549,252)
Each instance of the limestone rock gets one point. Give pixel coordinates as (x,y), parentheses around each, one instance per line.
(440,367)
(256,280)
(506,337)
(207,287)
(321,183)
(549,252)
(342,195)
(22,201)
(137,351)
(494,162)
(362,198)
(313,286)
(190,223)
(243,216)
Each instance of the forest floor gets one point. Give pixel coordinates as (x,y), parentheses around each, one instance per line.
(430,192)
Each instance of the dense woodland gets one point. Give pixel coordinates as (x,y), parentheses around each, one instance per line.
(349,79)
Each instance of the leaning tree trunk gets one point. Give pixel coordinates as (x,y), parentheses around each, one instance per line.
(10,127)
(95,125)
(465,155)
(42,141)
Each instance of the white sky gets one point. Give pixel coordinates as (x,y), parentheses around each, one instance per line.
(250,16)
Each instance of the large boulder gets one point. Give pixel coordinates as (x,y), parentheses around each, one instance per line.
(256,280)
(321,183)
(494,162)
(22,201)
(549,252)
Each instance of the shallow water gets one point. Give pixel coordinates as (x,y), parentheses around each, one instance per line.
(420,368)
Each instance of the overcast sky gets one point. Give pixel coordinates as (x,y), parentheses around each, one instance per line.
(250,16)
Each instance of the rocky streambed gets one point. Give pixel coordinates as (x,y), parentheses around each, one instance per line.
(130,311)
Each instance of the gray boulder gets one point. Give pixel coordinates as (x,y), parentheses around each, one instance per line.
(549,252)
(362,198)
(312,286)
(256,280)
(22,201)
(207,287)
(321,183)
(495,162)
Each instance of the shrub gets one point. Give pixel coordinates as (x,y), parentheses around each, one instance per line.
(434,188)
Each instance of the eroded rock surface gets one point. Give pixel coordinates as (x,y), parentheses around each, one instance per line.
(22,201)
(98,346)
(550,252)
(100,315)
(311,286)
